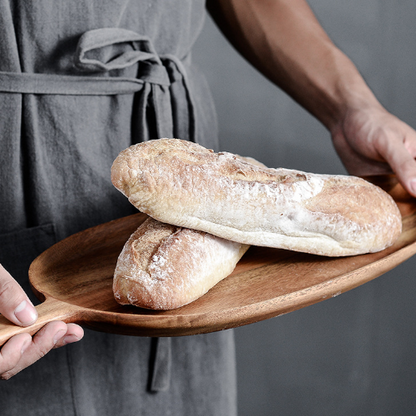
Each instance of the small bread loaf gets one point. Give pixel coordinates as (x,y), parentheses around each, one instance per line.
(182,183)
(164,267)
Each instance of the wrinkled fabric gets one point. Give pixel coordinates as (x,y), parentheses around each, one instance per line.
(60,131)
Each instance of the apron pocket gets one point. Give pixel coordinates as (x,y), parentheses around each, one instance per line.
(18,249)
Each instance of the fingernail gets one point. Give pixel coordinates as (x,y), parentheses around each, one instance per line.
(26,345)
(70,339)
(26,313)
(59,335)
(413,186)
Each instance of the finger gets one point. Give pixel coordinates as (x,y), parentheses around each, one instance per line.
(355,162)
(405,169)
(14,303)
(402,162)
(11,354)
(40,345)
(74,333)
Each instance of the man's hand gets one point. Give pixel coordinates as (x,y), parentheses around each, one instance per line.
(371,141)
(22,350)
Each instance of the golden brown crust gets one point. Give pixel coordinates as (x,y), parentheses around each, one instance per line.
(184,184)
(164,267)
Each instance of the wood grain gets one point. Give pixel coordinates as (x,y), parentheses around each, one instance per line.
(74,279)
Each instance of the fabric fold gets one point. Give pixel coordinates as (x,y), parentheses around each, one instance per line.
(99,57)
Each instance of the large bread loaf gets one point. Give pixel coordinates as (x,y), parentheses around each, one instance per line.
(182,183)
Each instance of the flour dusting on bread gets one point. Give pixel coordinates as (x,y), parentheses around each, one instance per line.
(182,183)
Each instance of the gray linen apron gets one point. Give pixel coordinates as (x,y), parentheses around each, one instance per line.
(79,82)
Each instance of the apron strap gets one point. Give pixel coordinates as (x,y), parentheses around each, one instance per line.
(100,53)
(160,364)
(183,107)
(53,84)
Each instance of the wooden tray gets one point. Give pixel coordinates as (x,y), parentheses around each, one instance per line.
(74,279)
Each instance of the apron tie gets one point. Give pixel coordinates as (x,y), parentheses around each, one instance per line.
(105,53)
(160,364)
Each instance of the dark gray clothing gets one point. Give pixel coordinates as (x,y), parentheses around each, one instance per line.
(79,82)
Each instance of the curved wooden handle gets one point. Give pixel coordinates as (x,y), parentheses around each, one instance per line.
(48,311)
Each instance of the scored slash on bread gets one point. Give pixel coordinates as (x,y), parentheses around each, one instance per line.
(164,267)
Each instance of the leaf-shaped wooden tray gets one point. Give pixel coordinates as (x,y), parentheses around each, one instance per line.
(74,279)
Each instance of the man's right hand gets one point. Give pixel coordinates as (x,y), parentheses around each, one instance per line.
(23,350)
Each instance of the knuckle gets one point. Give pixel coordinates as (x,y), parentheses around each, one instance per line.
(382,141)
(7,368)
(41,347)
(7,375)
(41,352)
(408,167)
(11,295)
(6,287)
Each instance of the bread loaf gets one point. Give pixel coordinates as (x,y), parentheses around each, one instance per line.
(182,183)
(164,267)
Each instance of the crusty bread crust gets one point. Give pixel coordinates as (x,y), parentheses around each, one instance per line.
(163,267)
(182,183)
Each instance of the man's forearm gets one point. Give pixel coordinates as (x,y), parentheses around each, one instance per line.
(284,40)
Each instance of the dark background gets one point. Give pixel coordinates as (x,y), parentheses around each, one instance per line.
(353,354)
